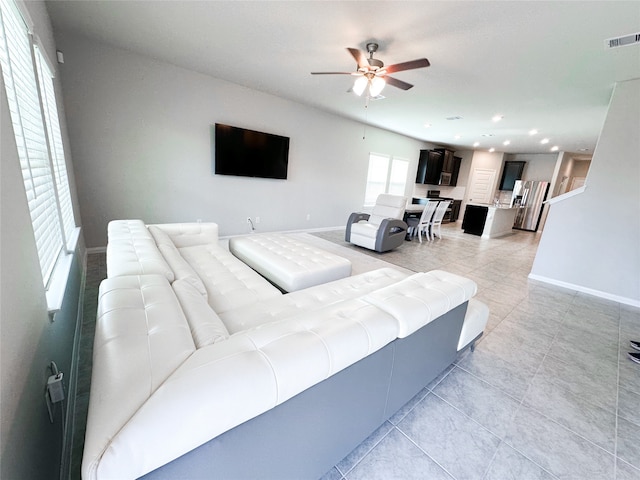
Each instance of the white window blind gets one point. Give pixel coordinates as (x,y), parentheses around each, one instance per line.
(56,148)
(27,112)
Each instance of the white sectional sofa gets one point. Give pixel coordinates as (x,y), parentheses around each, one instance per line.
(203,369)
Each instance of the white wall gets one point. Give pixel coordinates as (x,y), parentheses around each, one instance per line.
(30,445)
(485,160)
(140,135)
(591,241)
(540,166)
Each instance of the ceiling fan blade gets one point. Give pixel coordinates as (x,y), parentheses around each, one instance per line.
(331,73)
(394,82)
(398,67)
(360,57)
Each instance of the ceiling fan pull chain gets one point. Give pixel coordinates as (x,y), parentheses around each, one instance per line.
(366,118)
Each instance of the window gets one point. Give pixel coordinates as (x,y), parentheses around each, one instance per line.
(29,86)
(386,175)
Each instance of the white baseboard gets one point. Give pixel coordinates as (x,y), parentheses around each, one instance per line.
(589,291)
(304,230)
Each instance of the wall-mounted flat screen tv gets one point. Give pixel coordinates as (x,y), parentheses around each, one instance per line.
(248,153)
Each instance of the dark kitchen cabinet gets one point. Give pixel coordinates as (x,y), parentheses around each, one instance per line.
(511,172)
(447,159)
(450,167)
(429,167)
(474,218)
(438,167)
(456,170)
(455,210)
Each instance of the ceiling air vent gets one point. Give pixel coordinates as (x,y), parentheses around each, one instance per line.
(631,39)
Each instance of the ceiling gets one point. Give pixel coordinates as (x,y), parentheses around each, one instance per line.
(539,65)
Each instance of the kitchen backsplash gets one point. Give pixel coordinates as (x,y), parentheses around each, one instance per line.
(420,191)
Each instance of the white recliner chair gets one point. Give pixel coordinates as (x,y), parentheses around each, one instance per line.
(383,229)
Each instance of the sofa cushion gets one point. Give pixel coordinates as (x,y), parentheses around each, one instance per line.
(126,230)
(190,234)
(230,284)
(309,299)
(206,326)
(133,251)
(225,384)
(141,337)
(368,230)
(160,236)
(387,206)
(422,297)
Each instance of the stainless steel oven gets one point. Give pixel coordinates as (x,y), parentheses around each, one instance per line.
(445,178)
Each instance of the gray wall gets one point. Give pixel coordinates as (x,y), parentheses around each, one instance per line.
(30,446)
(139,130)
(591,241)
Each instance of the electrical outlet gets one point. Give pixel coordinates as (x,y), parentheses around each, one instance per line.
(55,388)
(308,217)
(257,219)
(248,219)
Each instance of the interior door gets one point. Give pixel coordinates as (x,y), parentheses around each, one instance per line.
(482,182)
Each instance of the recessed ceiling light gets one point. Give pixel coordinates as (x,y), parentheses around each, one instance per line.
(497,118)
(533,132)
(555,148)
(506,142)
(456,117)
(457,136)
(476,144)
(544,141)
(492,149)
(427,125)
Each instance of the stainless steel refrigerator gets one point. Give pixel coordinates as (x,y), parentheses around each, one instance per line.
(528,195)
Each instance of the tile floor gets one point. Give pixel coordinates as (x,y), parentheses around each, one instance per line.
(548,392)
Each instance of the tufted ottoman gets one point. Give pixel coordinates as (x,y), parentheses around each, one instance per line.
(288,263)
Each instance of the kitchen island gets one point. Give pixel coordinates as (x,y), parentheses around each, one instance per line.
(488,221)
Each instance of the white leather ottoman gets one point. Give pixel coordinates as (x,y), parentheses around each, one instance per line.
(288,263)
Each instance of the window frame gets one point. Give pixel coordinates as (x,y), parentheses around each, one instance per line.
(370,191)
(35,116)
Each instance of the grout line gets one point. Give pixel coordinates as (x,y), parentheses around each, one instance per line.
(429,456)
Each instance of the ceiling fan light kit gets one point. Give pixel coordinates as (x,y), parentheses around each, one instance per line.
(360,85)
(373,75)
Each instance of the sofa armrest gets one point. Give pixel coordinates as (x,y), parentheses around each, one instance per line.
(391,234)
(421,298)
(355,217)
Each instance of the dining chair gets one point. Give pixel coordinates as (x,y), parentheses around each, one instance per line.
(422,225)
(437,218)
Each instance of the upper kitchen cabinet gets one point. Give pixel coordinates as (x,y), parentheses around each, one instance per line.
(457,161)
(429,167)
(450,167)
(511,172)
(438,167)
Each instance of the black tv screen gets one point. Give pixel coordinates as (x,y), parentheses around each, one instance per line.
(248,153)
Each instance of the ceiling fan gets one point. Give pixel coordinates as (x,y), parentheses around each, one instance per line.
(373,74)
